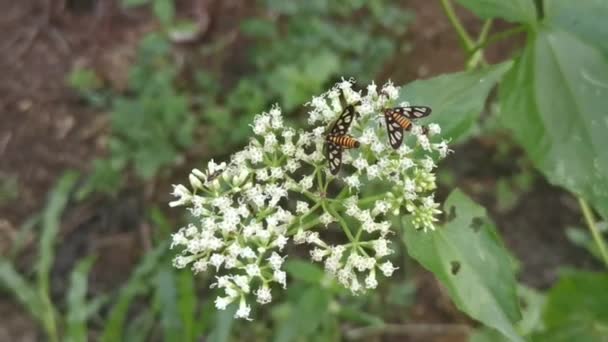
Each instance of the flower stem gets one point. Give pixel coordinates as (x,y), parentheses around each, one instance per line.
(465,39)
(597,236)
(498,37)
(341,221)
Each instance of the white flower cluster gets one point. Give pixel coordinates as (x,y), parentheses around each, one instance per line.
(279,188)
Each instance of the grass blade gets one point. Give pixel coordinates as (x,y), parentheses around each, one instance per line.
(11,281)
(77,314)
(166,297)
(113,330)
(51,220)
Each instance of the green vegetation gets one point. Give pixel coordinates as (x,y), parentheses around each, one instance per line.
(551,102)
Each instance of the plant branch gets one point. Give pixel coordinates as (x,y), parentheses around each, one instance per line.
(465,39)
(498,37)
(597,236)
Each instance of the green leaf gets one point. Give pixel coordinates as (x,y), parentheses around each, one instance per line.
(468,258)
(456,99)
(577,308)
(24,232)
(13,282)
(224,320)
(51,218)
(140,327)
(522,11)
(166,296)
(554,100)
(310,310)
(587,19)
(51,221)
(76,301)
(186,302)
(579,296)
(113,330)
(164,11)
(305,271)
(532,303)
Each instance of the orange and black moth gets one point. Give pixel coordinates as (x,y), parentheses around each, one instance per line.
(337,139)
(399,119)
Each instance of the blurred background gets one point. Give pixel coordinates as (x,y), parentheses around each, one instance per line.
(106,103)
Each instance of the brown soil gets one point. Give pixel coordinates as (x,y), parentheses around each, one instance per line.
(45,129)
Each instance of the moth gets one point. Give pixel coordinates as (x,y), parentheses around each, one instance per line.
(337,139)
(400,118)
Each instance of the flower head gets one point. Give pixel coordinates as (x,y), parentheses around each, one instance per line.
(277,189)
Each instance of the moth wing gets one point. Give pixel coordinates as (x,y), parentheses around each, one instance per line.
(334,157)
(341,125)
(395,131)
(414,112)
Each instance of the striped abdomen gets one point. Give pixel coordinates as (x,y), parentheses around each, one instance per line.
(344,141)
(402,120)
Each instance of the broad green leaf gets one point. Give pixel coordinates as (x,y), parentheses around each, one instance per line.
(486,334)
(468,258)
(554,100)
(577,308)
(578,296)
(522,11)
(532,303)
(310,310)
(587,19)
(113,330)
(456,99)
(77,314)
(532,307)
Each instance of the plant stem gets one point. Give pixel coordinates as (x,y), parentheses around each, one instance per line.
(476,56)
(597,236)
(498,37)
(465,40)
(485,30)
(341,221)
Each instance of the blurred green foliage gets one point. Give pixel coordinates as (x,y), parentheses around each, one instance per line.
(69,324)
(552,98)
(294,51)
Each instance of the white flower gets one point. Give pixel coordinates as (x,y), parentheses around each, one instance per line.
(183,194)
(263,295)
(243,311)
(352,181)
(247,211)
(302,207)
(280,277)
(434,129)
(326,219)
(390,90)
(370,280)
(222,302)
(387,268)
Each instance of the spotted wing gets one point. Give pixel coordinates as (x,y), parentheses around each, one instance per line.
(395,131)
(341,125)
(334,157)
(413,112)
